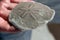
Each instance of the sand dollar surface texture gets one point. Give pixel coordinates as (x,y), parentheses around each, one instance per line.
(29,15)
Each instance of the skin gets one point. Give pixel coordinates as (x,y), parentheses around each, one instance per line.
(5,8)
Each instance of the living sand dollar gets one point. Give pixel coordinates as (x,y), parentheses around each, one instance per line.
(29,15)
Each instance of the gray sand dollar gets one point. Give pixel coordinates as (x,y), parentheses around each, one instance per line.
(29,15)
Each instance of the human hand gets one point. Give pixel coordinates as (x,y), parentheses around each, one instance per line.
(5,8)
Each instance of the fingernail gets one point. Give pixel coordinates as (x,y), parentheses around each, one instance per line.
(12,28)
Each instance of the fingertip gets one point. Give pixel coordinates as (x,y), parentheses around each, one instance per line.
(12,28)
(12,5)
(15,1)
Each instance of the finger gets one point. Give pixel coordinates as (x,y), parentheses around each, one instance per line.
(6,1)
(25,0)
(4,12)
(12,5)
(3,4)
(4,24)
(17,1)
